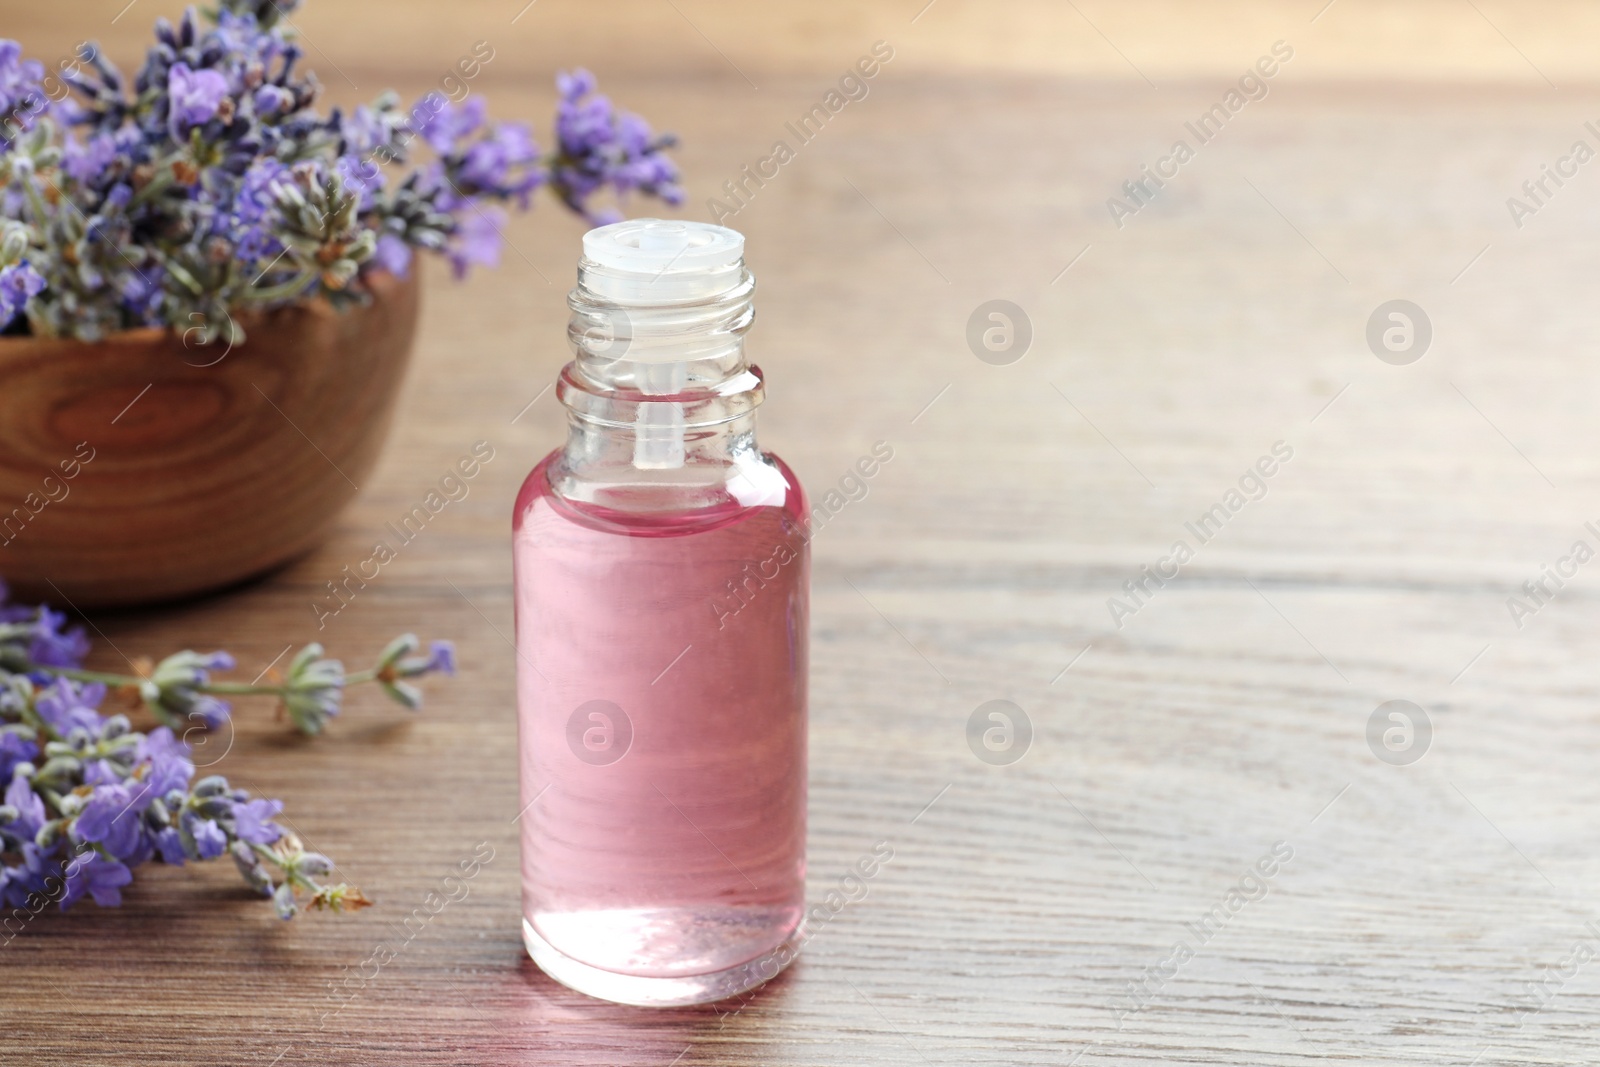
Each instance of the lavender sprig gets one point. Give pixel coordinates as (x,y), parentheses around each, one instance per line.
(87,799)
(180,692)
(208,184)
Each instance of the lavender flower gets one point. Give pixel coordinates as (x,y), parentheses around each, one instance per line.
(251,867)
(111,819)
(208,184)
(441,657)
(393,255)
(166,761)
(15,747)
(208,838)
(314,690)
(502,164)
(169,845)
(55,644)
(19,283)
(447,126)
(173,692)
(27,810)
(22,95)
(194,98)
(101,878)
(85,160)
(602,148)
(253,821)
(397,661)
(283,901)
(87,799)
(476,241)
(369,129)
(64,707)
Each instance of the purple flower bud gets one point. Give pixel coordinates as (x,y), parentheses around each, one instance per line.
(577,84)
(194,97)
(314,865)
(209,840)
(283,901)
(85,161)
(22,96)
(210,786)
(101,772)
(168,772)
(15,749)
(101,878)
(19,283)
(105,819)
(30,809)
(602,148)
(393,255)
(245,859)
(476,241)
(272,100)
(161,742)
(169,843)
(173,690)
(208,712)
(447,125)
(66,706)
(253,821)
(441,658)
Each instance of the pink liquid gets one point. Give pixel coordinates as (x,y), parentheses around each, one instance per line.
(663,738)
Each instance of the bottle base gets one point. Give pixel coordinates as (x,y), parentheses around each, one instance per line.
(660,992)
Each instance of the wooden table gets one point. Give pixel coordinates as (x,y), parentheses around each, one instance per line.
(1032,911)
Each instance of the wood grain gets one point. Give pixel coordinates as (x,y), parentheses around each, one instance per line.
(149,467)
(1228,714)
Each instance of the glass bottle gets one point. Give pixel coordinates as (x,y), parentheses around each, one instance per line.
(662,579)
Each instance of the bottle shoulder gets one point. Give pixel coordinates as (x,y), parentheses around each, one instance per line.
(648,503)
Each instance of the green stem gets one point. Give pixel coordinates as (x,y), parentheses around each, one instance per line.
(267,854)
(179,272)
(159,182)
(215,688)
(77,675)
(37,202)
(289,288)
(218,688)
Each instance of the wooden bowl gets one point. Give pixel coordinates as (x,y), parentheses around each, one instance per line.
(142,468)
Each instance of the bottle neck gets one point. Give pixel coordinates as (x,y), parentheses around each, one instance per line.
(660,398)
